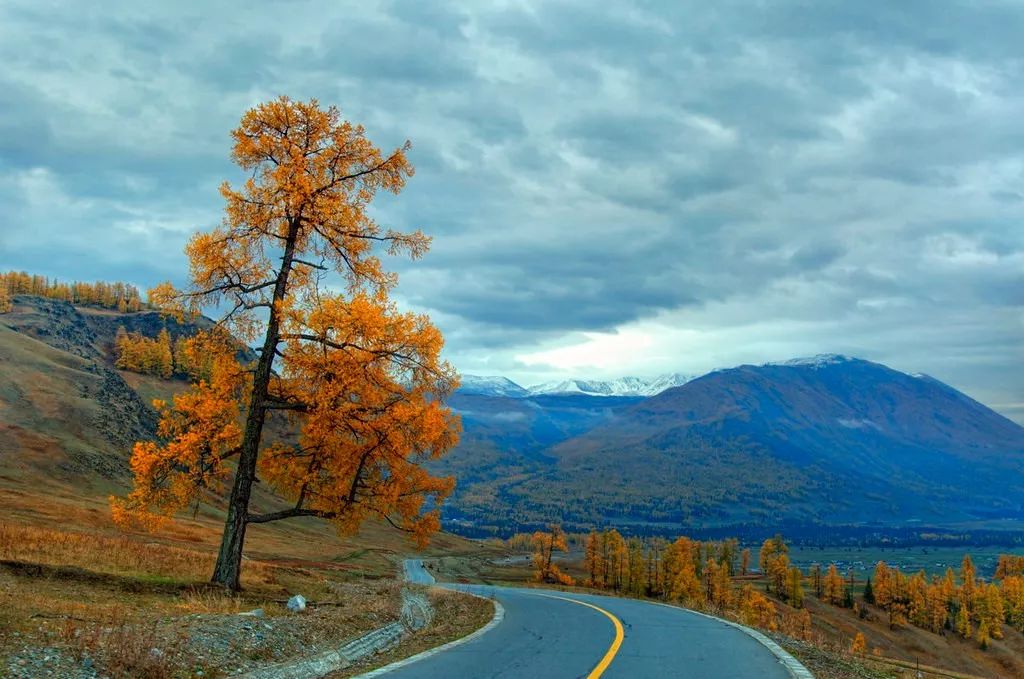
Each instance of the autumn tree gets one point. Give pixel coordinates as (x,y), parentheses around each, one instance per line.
(362,383)
(757,610)
(963,623)
(770,548)
(745,561)
(795,587)
(591,557)
(859,645)
(833,586)
(138,353)
(1009,565)
(545,544)
(5,298)
(163,355)
(683,580)
(817,583)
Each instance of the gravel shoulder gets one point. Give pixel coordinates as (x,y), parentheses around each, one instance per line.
(455,616)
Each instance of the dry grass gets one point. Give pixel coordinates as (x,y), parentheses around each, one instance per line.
(117,554)
(114,598)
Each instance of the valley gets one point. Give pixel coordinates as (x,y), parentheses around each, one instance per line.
(744,451)
(696,458)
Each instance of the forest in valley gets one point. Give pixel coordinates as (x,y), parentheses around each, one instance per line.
(764,589)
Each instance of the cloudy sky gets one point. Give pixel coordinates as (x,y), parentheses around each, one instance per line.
(610,191)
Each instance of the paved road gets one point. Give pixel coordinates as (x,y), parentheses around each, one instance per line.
(543,636)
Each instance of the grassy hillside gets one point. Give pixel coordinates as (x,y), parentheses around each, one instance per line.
(77,595)
(68,420)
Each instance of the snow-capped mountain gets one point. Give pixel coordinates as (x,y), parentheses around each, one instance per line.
(818,361)
(624,386)
(492,385)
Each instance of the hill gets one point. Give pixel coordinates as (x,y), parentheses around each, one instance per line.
(68,420)
(829,440)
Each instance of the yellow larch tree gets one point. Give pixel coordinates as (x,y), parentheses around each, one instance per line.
(5,298)
(591,557)
(545,544)
(795,587)
(859,645)
(833,585)
(363,384)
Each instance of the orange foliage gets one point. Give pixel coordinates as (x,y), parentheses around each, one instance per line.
(757,610)
(859,646)
(363,384)
(544,546)
(1009,565)
(141,354)
(202,433)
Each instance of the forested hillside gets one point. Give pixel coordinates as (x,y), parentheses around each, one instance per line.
(837,440)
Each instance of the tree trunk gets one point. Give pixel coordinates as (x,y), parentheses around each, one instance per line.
(228,570)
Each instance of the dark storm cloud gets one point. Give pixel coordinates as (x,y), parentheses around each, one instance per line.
(853,168)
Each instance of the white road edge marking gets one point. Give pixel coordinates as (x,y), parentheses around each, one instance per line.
(499,615)
(792,665)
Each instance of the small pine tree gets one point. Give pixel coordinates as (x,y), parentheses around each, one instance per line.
(869,593)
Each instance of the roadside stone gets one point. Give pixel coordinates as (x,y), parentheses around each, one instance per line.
(297,603)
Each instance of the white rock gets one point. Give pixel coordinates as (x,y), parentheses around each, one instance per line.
(254,613)
(297,603)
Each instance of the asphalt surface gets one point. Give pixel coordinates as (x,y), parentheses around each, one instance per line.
(542,637)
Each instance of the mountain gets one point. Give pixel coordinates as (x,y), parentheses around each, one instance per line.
(830,439)
(624,386)
(491,386)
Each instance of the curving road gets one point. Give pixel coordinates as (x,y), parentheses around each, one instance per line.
(555,634)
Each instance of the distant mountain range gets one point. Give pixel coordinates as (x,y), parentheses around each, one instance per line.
(624,386)
(823,441)
(828,439)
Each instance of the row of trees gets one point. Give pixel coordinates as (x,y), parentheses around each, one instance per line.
(141,354)
(787,581)
(694,573)
(121,296)
(159,356)
(656,567)
(966,605)
(700,575)
(5,298)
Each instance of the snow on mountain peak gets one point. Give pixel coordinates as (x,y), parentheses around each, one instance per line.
(494,385)
(491,385)
(818,361)
(624,386)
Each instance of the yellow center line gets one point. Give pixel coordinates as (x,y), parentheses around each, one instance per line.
(613,649)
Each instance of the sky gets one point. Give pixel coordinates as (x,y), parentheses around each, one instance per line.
(623,190)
